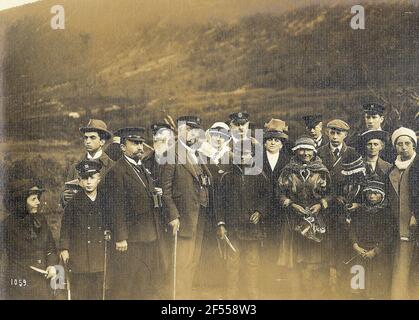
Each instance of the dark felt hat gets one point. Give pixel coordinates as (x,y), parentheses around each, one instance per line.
(312,120)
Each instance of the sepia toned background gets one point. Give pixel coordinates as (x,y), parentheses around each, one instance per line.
(131,62)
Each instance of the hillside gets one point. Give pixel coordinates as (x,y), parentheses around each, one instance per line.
(131,61)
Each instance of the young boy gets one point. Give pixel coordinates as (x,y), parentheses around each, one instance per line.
(370,232)
(82,234)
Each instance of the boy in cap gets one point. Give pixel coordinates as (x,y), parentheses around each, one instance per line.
(373,116)
(370,234)
(314,127)
(82,238)
(95,135)
(133,208)
(332,156)
(336,150)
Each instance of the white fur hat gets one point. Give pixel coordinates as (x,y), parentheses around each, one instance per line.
(403,132)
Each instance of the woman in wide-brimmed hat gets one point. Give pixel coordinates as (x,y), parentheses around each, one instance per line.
(303,192)
(28,242)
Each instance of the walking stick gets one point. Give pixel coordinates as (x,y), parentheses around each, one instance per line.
(174,266)
(68,282)
(107,235)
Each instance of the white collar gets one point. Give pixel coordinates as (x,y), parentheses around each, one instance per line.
(130,160)
(96,156)
(93,198)
(319,138)
(334,148)
(191,152)
(403,165)
(272,159)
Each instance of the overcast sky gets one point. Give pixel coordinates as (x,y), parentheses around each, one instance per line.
(6,4)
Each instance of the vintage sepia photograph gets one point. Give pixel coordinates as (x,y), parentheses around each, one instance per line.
(216,150)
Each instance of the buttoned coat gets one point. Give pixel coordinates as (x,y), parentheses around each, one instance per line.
(82,233)
(129,203)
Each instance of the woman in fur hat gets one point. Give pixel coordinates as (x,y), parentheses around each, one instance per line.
(303,192)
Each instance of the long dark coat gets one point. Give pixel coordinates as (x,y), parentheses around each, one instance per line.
(273,219)
(27,246)
(242,195)
(371,228)
(129,203)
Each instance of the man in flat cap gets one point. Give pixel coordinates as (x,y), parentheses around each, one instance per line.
(95,135)
(82,237)
(333,155)
(314,127)
(133,209)
(185,186)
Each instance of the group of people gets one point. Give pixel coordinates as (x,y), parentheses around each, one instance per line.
(330,215)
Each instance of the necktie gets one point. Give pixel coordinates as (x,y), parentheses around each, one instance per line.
(369,168)
(336,153)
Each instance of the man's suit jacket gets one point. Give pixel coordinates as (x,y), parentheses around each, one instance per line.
(335,165)
(324,141)
(183,191)
(130,207)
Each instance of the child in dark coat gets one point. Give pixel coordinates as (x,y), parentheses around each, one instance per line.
(370,234)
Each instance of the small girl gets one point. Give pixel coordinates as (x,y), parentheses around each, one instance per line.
(370,233)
